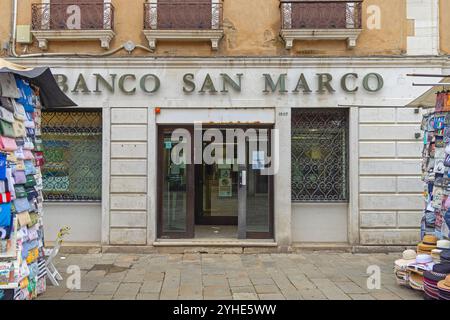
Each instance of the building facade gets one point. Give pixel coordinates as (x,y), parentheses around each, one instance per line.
(325,81)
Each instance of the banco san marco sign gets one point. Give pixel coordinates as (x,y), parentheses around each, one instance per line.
(220,83)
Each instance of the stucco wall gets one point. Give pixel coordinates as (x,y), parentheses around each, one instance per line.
(444,26)
(251,28)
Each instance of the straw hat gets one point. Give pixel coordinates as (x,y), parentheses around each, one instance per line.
(445,284)
(443,244)
(416,281)
(408,257)
(428,243)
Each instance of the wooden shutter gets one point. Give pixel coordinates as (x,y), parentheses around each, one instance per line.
(91,13)
(319,15)
(176,14)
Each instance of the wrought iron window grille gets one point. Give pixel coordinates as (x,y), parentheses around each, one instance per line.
(319,144)
(72,170)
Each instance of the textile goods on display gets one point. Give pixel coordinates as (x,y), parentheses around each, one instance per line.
(428,269)
(22,276)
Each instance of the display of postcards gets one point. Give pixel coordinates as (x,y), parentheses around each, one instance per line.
(430,123)
(430,177)
(430,218)
(423,124)
(430,167)
(438,196)
(439,219)
(446,135)
(439,181)
(439,152)
(439,166)
(439,121)
(439,143)
(431,150)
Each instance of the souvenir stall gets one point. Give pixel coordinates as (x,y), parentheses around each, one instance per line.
(427,268)
(22,258)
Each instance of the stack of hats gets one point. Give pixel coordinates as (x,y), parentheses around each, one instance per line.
(401,266)
(444,288)
(432,278)
(441,245)
(445,256)
(427,245)
(423,262)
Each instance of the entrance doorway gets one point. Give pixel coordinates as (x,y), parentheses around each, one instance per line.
(226,197)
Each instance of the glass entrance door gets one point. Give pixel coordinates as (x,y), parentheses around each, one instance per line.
(217,189)
(175,188)
(235,191)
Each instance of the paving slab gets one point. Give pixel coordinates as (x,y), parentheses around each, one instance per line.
(195,276)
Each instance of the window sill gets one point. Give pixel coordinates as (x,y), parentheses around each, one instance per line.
(43,36)
(350,35)
(213,35)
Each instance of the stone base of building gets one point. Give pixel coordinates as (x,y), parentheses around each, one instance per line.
(74,248)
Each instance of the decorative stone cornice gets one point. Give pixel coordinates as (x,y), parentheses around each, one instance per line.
(43,36)
(289,35)
(213,35)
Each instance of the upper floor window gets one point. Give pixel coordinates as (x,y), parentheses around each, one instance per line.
(197,20)
(74,20)
(320,19)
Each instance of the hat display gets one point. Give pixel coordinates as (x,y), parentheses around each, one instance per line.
(442,268)
(408,257)
(436,255)
(430,271)
(445,256)
(428,243)
(444,288)
(430,281)
(416,282)
(443,244)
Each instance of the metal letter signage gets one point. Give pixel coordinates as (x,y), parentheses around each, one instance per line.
(221,83)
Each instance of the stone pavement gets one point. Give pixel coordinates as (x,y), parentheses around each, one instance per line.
(313,275)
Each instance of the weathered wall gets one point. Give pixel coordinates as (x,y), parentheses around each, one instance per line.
(5,23)
(251,28)
(444,29)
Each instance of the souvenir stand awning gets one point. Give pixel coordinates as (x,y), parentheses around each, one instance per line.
(428,99)
(51,94)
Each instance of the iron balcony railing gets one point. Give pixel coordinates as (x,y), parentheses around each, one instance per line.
(321,14)
(72,16)
(199,15)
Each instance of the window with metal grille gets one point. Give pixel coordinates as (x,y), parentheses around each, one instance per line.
(319,146)
(73,155)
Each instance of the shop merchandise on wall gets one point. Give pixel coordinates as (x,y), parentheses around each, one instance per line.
(22,262)
(428,268)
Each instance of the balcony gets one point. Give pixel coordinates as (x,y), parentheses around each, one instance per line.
(320,20)
(73,22)
(184,21)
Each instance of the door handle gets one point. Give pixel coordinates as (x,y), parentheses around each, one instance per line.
(243,178)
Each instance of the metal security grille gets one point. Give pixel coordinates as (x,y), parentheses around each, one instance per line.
(73,155)
(319,155)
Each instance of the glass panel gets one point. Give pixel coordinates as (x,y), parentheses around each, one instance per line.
(73,155)
(219,191)
(319,155)
(258,200)
(174,191)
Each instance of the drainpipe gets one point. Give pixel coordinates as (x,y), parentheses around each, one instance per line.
(39,55)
